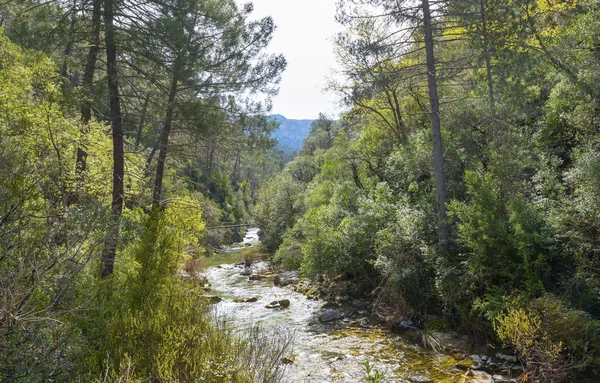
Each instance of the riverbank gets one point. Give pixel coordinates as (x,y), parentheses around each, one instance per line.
(334,335)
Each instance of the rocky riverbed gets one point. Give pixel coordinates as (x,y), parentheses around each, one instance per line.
(333,340)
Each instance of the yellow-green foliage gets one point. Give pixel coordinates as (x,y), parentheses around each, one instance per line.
(46,245)
(159,328)
(519,328)
(552,338)
(41,133)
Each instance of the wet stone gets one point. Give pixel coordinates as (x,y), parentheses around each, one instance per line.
(360,304)
(246,272)
(330,316)
(506,357)
(482,377)
(212,299)
(245,300)
(286,279)
(255,277)
(477,362)
(281,304)
(289,360)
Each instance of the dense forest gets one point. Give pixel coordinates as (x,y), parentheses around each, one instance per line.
(128,130)
(460,188)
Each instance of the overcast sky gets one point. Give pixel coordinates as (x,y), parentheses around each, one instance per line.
(304,35)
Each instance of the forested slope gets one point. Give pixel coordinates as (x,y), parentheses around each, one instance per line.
(127,130)
(461,184)
(290,133)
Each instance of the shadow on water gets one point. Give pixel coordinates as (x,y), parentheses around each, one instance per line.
(323,352)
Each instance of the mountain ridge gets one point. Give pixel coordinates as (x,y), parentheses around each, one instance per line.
(291,132)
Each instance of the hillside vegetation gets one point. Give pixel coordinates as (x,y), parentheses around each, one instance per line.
(128,132)
(461,187)
(290,133)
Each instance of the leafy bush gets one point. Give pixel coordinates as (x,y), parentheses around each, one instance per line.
(405,258)
(552,338)
(290,253)
(506,241)
(278,206)
(161,327)
(340,235)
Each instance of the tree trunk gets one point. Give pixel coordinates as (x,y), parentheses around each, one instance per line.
(436,134)
(88,79)
(486,55)
(163,143)
(235,167)
(110,247)
(138,136)
(151,156)
(64,71)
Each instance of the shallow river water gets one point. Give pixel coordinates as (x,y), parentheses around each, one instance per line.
(324,352)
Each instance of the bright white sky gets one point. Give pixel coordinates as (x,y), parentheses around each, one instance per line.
(304,35)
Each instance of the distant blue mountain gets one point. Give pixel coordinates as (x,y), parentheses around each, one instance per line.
(291,133)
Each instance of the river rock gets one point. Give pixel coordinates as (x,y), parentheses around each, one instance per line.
(289,360)
(287,278)
(245,300)
(482,377)
(212,299)
(506,357)
(255,277)
(246,272)
(330,316)
(280,304)
(360,304)
(477,362)
(407,324)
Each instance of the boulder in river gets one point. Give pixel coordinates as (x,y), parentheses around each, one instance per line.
(330,316)
(280,304)
(255,277)
(246,272)
(287,278)
(212,299)
(245,300)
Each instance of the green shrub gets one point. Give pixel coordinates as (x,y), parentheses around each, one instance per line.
(553,339)
(159,328)
(290,253)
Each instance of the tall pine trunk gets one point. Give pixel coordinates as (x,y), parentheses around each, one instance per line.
(163,143)
(138,136)
(110,247)
(436,133)
(486,56)
(88,78)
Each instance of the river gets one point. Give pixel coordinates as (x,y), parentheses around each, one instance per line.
(325,352)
